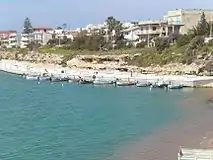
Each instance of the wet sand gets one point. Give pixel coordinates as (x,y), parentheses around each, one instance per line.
(188,132)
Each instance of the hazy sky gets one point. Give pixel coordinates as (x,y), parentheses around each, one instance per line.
(78,13)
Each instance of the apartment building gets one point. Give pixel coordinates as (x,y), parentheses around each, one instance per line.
(188,18)
(148,30)
(8,39)
(25,39)
(42,35)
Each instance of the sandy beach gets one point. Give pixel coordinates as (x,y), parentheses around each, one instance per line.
(24,67)
(188,132)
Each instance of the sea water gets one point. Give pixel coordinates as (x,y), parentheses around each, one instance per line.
(51,121)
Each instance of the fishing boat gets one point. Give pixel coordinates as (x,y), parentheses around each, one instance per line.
(162,85)
(59,79)
(142,84)
(74,79)
(84,81)
(125,83)
(43,78)
(175,86)
(32,77)
(102,82)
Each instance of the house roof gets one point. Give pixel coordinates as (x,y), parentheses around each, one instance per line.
(8,32)
(42,28)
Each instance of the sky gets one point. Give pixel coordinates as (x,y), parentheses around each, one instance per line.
(79,13)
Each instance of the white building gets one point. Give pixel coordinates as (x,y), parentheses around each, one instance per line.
(25,40)
(8,39)
(42,35)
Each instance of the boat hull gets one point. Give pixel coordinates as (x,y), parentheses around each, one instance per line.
(125,83)
(175,86)
(32,77)
(102,82)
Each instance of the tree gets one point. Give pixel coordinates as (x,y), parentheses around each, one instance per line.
(183,40)
(113,26)
(27,26)
(33,46)
(161,44)
(202,28)
(92,43)
(64,26)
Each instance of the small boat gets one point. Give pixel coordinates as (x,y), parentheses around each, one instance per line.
(32,77)
(175,86)
(142,84)
(162,85)
(59,79)
(84,81)
(74,79)
(102,82)
(125,83)
(43,78)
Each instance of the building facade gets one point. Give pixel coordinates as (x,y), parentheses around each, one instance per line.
(188,18)
(8,39)
(42,35)
(148,30)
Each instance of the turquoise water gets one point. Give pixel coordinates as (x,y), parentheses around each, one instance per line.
(80,122)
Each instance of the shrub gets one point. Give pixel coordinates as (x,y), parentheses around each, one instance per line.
(141,45)
(161,44)
(196,42)
(183,40)
(210,43)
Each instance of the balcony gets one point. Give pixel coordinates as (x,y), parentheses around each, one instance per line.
(150,31)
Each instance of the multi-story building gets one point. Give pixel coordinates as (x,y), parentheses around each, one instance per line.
(25,39)
(42,35)
(96,29)
(148,30)
(188,18)
(8,39)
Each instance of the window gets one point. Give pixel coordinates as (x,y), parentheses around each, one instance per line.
(154,28)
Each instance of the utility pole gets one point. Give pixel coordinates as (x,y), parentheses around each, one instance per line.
(211,27)
(148,36)
(59,41)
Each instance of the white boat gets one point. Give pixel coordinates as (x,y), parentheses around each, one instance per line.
(43,78)
(142,84)
(175,86)
(125,83)
(32,77)
(102,82)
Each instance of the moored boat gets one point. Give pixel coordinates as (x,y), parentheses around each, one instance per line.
(84,81)
(59,79)
(175,86)
(125,83)
(102,82)
(162,85)
(142,84)
(32,77)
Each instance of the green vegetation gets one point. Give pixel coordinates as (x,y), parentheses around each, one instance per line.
(184,49)
(27,26)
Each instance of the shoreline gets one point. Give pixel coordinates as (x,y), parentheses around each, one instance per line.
(164,143)
(25,67)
